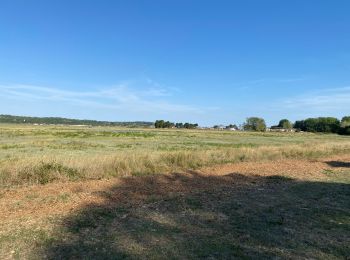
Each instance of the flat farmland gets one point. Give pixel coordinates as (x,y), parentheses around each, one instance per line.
(43,154)
(109,193)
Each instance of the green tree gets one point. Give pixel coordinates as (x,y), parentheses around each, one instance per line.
(285,124)
(179,125)
(255,124)
(344,130)
(345,122)
(320,124)
(300,125)
(345,126)
(159,124)
(190,126)
(168,124)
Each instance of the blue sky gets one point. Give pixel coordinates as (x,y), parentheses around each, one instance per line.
(210,62)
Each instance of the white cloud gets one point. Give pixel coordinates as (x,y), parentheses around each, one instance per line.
(121,97)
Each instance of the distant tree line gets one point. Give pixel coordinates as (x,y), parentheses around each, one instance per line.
(325,125)
(319,124)
(316,125)
(258,124)
(163,124)
(167,124)
(186,125)
(66,121)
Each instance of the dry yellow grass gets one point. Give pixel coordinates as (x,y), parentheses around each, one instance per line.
(45,169)
(30,155)
(107,193)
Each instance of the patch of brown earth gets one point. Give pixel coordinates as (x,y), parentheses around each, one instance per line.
(293,168)
(37,202)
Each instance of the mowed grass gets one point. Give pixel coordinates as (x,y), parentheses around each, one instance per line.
(44,154)
(116,193)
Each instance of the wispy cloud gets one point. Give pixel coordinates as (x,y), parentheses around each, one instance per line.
(121,97)
(324,102)
(332,99)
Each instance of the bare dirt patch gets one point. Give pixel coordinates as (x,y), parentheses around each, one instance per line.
(49,199)
(286,208)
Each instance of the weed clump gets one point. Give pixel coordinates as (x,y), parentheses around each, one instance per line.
(47,172)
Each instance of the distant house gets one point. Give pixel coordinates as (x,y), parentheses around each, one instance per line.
(280,129)
(232,128)
(220,127)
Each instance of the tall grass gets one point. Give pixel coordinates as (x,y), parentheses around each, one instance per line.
(50,168)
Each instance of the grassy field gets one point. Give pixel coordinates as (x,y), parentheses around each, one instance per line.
(109,193)
(43,154)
